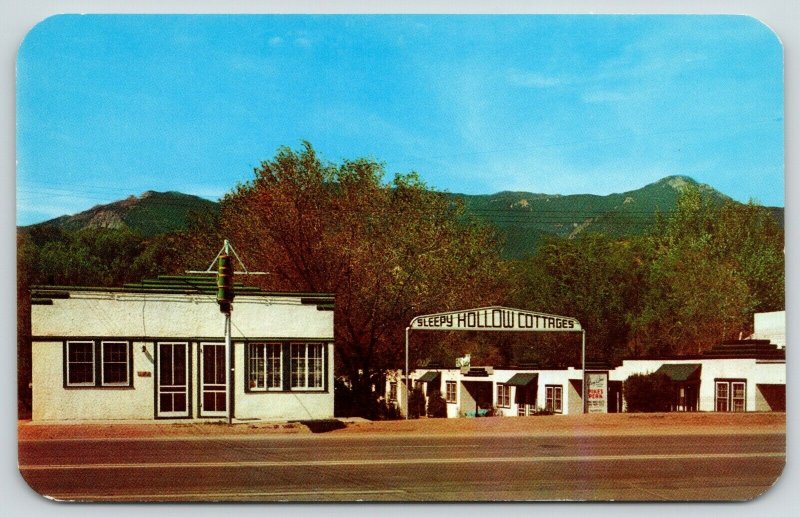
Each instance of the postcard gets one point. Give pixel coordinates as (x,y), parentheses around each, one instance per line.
(428,258)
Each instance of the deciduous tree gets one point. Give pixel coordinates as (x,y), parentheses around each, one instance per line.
(713,266)
(388,250)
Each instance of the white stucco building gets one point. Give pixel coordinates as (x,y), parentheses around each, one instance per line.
(155,350)
(745,375)
(507,391)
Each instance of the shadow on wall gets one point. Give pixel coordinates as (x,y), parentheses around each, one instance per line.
(322,426)
(476,398)
(771,397)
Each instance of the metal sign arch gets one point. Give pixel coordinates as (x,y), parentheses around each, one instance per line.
(499,319)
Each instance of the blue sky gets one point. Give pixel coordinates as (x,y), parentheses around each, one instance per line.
(110,106)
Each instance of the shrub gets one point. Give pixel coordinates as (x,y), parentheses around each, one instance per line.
(492,411)
(437,407)
(416,403)
(348,402)
(342,399)
(388,411)
(648,393)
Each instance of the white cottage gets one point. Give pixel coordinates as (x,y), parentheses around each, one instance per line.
(156,350)
(734,376)
(481,390)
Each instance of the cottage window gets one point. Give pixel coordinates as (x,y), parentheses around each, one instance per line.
(553,396)
(737,396)
(392,396)
(730,395)
(265,367)
(115,364)
(80,363)
(97,364)
(450,391)
(503,398)
(306,363)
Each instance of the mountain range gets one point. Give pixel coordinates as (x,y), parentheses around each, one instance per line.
(524,218)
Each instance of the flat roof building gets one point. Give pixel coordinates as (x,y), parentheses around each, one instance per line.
(156,350)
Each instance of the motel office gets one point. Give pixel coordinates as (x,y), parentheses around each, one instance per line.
(155,350)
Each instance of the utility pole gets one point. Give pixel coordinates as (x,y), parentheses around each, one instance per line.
(225,294)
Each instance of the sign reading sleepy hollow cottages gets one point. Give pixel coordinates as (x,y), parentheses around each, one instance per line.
(496,318)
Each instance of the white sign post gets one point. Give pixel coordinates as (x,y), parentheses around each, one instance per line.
(499,319)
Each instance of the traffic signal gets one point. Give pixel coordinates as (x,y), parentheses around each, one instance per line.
(225,283)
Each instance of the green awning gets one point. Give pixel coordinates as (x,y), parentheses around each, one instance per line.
(681,372)
(522,379)
(429,377)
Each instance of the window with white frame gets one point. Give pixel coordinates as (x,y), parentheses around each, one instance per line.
(392,395)
(265,366)
(450,392)
(503,398)
(307,366)
(97,364)
(80,363)
(730,395)
(115,364)
(737,396)
(553,396)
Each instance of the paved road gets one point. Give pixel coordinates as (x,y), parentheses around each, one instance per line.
(407,468)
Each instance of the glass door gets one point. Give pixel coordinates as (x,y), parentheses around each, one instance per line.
(213,392)
(172,385)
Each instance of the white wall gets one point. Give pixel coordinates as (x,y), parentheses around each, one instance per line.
(570,398)
(51,401)
(282,405)
(451,375)
(770,325)
(172,315)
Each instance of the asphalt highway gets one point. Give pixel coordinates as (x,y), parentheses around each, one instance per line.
(405,468)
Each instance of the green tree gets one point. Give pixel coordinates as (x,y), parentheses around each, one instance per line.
(713,266)
(594,278)
(26,262)
(89,256)
(389,251)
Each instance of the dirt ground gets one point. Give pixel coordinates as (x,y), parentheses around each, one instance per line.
(610,424)
(622,423)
